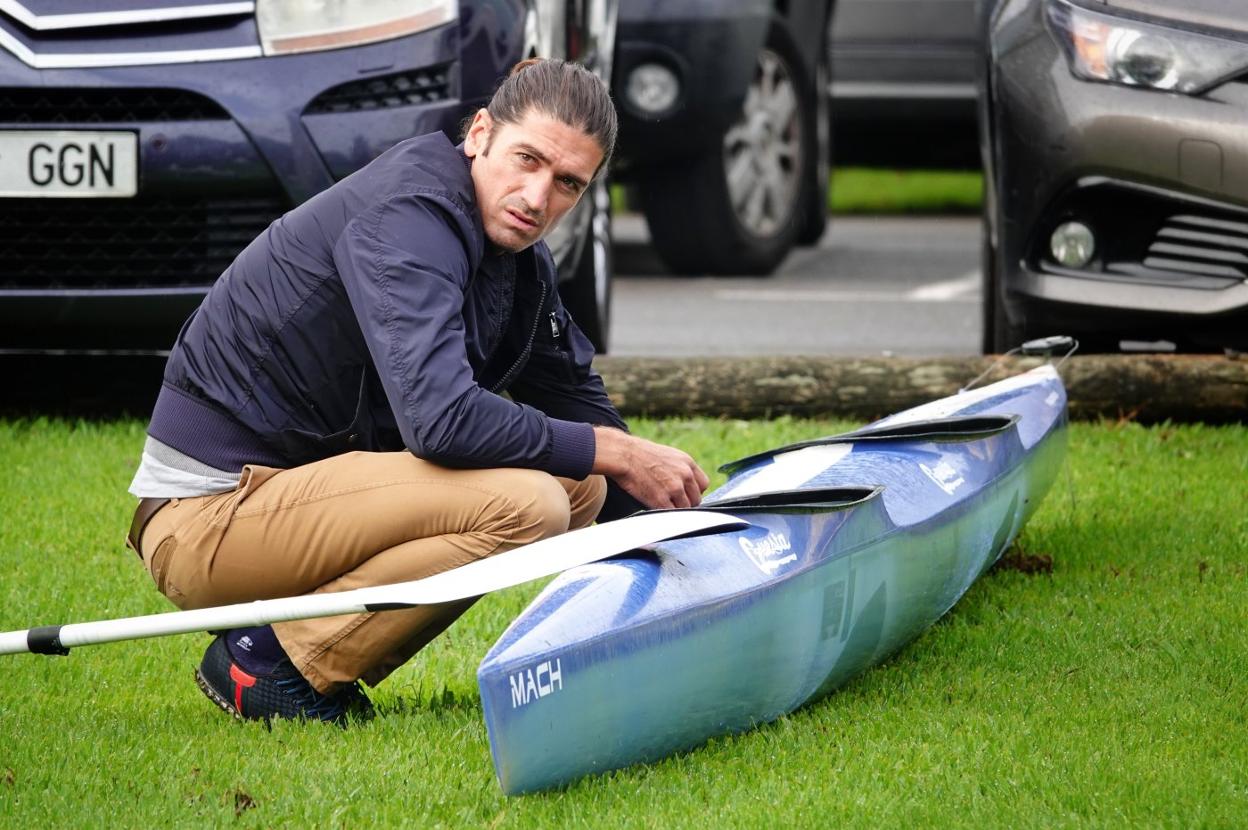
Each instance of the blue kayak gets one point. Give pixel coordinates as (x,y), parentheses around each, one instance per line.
(857,544)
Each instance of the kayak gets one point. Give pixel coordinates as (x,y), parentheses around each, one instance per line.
(856,544)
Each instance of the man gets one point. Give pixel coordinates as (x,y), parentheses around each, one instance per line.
(331,417)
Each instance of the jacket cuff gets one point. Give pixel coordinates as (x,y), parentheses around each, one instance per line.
(572,449)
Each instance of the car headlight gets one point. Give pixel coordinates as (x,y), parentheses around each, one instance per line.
(310,25)
(1121,50)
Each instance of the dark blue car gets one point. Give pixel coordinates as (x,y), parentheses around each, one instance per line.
(144,143)
(724,127)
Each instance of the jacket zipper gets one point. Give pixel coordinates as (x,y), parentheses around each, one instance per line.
(510,374)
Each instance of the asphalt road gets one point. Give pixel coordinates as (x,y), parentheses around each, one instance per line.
(873,286)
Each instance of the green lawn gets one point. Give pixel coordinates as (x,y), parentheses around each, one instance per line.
(1108,692)
(868,190)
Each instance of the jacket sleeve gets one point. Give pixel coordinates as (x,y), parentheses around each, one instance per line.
(405,264)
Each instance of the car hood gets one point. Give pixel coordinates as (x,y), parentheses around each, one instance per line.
(1231,15)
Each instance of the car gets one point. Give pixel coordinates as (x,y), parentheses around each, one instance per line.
(143,145)
(903,83)
(1116,202)
(723,128)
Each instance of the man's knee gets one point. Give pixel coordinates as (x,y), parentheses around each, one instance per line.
(542,507)
(585,499)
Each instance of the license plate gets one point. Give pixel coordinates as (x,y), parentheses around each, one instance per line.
(68,163)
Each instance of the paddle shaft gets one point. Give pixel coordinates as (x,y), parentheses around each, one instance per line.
(58,639)
(513,567)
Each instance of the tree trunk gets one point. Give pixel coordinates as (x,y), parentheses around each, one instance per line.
(1147,388)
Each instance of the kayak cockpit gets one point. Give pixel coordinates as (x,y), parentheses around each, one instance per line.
(961,428)
(822,499)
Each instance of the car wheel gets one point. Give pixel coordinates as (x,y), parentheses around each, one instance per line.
(814,220)
(587,294)
(737,208)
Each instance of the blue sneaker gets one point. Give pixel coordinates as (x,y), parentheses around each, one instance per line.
(284,693)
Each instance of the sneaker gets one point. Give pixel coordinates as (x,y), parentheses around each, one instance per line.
(284,693)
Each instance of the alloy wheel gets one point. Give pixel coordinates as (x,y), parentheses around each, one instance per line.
(763,150)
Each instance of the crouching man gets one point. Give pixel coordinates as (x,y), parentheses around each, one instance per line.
(332,416)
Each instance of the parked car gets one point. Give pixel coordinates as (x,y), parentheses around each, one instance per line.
(143,145)
(1117,191)
(723,130)
(903,83)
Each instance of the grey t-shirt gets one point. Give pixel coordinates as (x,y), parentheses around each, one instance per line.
(165,473)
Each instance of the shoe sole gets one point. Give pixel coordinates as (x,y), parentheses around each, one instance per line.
(213,695)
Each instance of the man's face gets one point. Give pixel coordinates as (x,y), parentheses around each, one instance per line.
(527,175)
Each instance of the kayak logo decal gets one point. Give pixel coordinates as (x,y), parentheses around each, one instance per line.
(768,553)
(528,685)
(944,476)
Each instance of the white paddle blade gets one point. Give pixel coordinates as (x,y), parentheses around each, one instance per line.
(514,567)
(550,556)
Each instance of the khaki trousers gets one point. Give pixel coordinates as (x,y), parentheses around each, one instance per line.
(354,521)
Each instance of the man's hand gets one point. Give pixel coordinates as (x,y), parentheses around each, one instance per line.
(654,474)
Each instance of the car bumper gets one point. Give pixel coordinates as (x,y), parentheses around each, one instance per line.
(702,45)
(1144,170)
(121,273)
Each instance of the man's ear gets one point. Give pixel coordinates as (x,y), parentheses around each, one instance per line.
(477,141)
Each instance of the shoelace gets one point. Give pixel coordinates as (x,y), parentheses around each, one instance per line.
(310,701)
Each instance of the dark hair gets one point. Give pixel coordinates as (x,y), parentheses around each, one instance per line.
(563,90)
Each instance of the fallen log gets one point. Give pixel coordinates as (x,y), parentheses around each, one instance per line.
(1146,388)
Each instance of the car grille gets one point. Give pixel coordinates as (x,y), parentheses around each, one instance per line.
(130,243)
(1201,246)
(398,90)
(91,33)
(36,105)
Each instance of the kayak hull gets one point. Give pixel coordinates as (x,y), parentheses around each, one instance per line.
(871,538)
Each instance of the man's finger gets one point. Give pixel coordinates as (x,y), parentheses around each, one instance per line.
(704,480)
(675,492)
(692,492)
(665,502)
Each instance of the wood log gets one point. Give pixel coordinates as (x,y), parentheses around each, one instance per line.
(1147,388)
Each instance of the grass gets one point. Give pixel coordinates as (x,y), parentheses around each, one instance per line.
(863,190)
(1108,692)
(866,190)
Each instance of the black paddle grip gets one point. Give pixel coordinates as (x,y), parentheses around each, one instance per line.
(46,639)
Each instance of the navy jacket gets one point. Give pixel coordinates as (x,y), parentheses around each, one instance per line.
(374,317)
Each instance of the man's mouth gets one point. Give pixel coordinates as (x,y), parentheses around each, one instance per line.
(521,220)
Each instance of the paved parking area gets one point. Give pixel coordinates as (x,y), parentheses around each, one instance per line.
(873,285)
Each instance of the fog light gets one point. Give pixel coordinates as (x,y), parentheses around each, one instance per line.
(652,88)
(1072,244)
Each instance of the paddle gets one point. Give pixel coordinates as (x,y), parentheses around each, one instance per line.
(513,567)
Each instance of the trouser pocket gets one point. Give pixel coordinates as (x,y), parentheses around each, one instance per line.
(158,567)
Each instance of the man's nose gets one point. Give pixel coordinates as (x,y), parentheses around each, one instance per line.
(536,193)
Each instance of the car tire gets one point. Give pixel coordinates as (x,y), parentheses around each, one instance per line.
(999,334)
(587,295)
(814,222)
(700,223)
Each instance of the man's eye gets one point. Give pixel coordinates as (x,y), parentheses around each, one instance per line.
(571,185)
(525,157)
